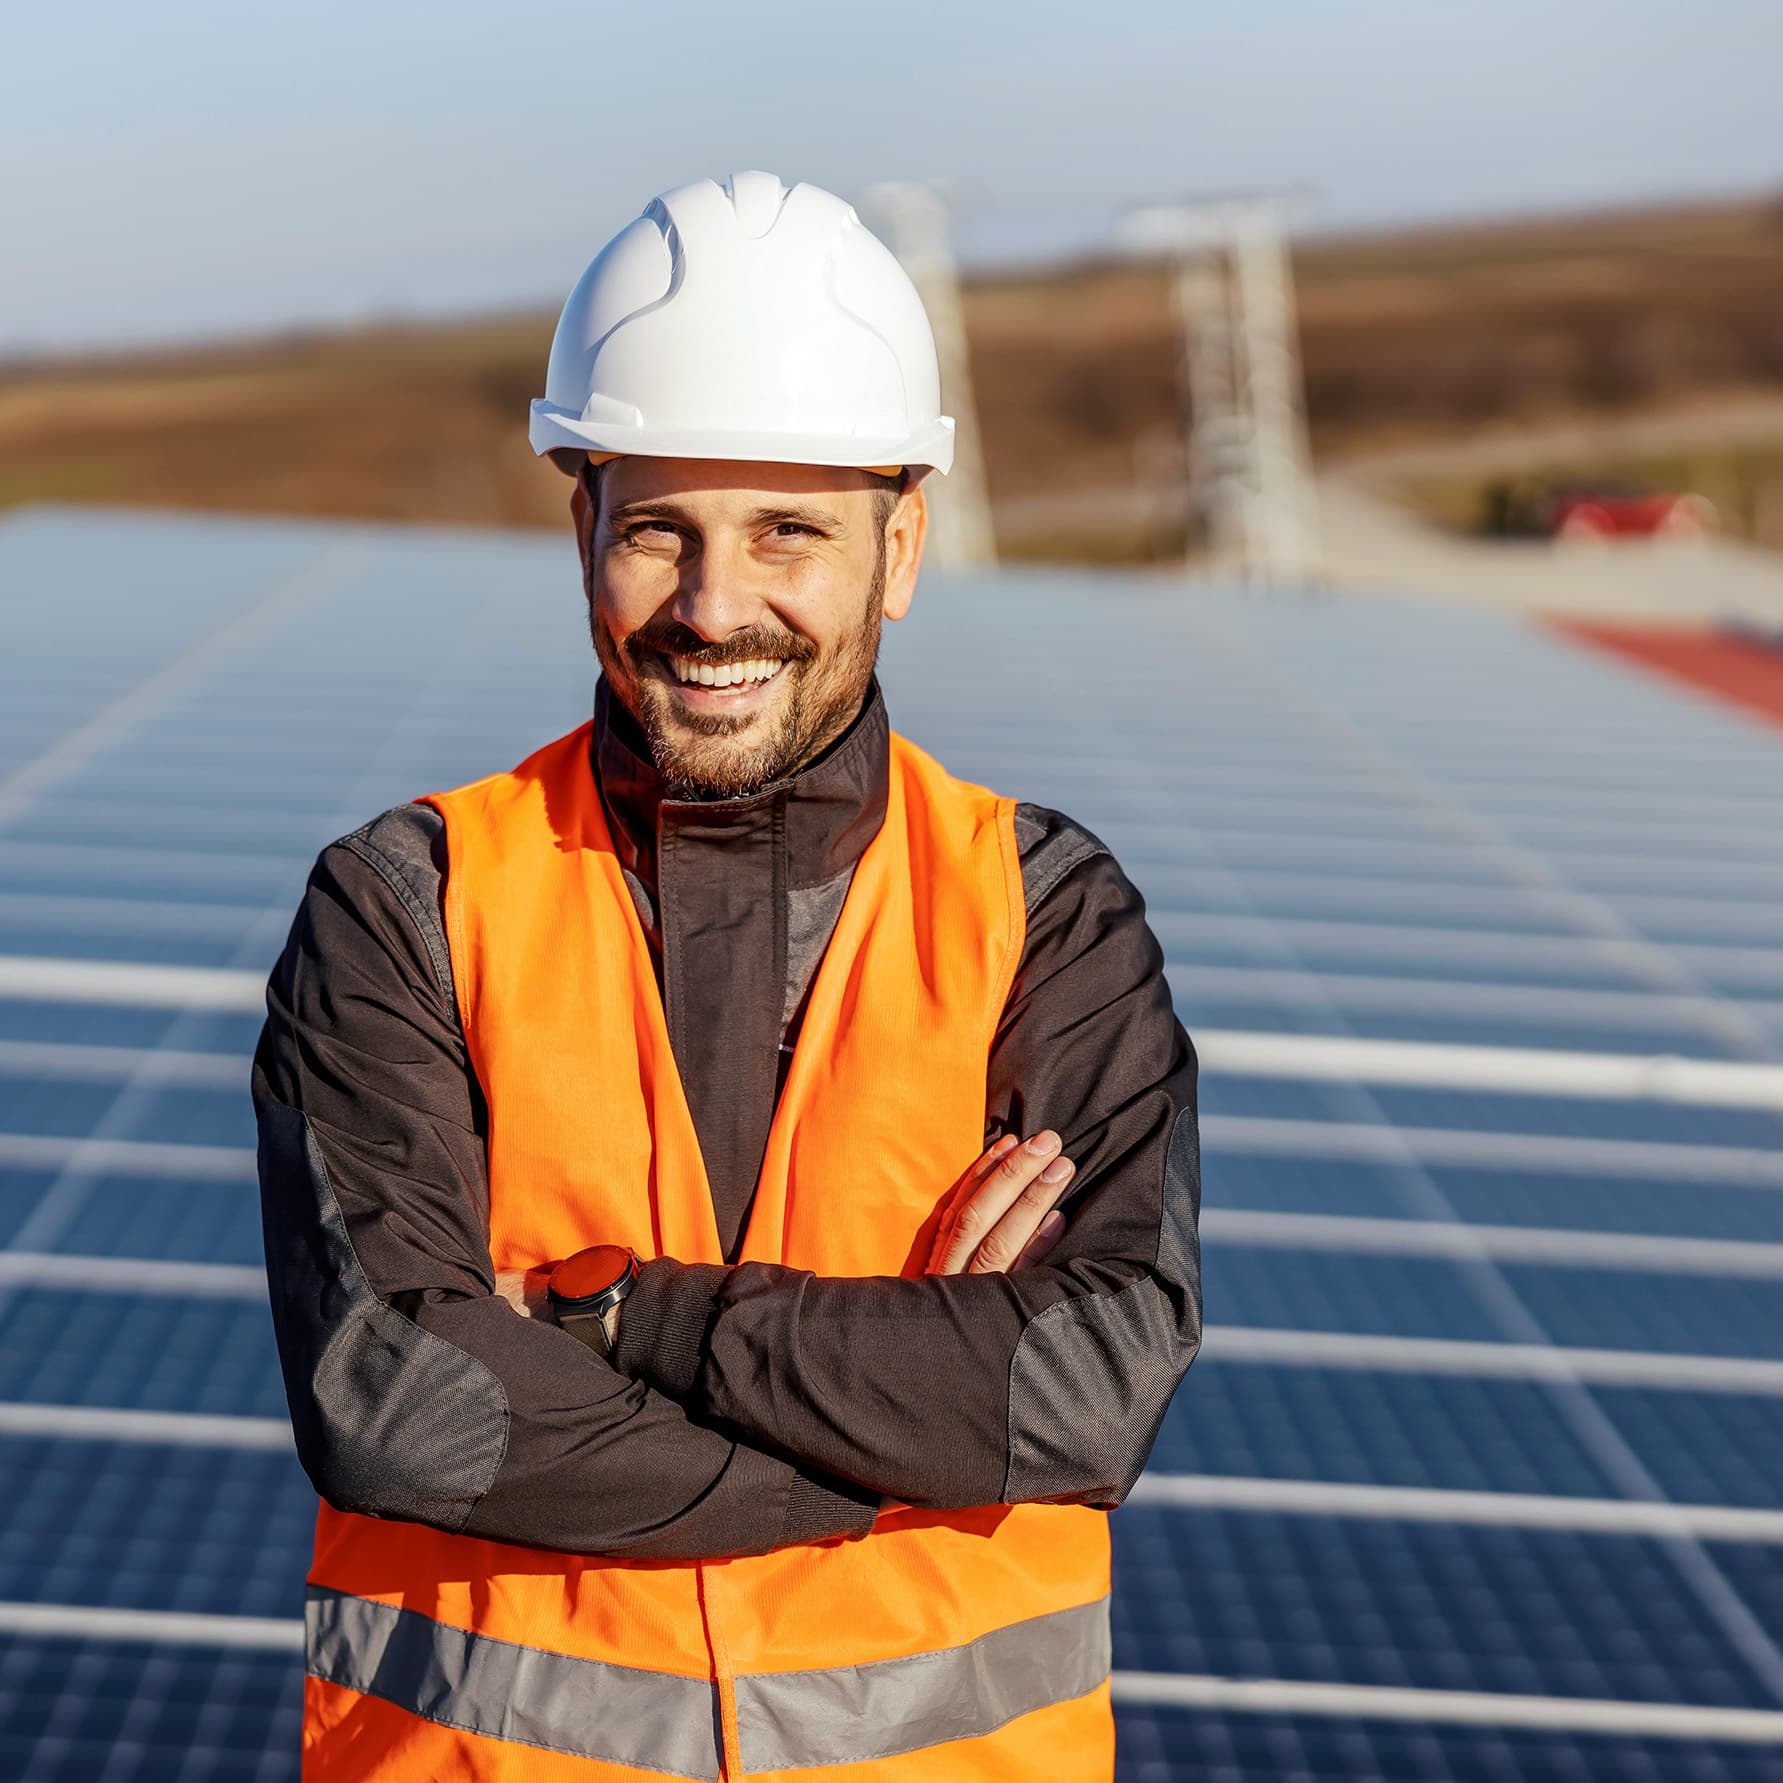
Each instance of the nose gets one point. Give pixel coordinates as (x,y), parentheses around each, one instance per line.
(716,596)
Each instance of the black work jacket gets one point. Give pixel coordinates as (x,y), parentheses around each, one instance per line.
(944,1391)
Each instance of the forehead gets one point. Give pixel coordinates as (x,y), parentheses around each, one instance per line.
(718,485)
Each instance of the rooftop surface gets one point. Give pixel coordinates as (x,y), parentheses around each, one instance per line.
(1479,933)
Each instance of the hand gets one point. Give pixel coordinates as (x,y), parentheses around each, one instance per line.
(1002,1214)
(524,1291)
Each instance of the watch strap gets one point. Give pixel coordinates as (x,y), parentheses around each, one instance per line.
(599,1330)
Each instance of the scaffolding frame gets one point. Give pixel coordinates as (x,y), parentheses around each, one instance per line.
(961,533)
(1252,505)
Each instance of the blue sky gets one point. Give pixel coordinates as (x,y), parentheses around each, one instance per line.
(196,168)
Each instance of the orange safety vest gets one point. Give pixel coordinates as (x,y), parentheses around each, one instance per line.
(960,1645)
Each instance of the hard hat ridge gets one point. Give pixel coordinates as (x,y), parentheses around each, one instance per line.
(747,321)
(758,199)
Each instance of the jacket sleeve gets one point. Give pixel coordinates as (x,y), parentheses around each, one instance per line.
(416,1392)
(1046,1384)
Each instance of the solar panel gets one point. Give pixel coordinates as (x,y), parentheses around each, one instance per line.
(1480,938)
(1163,1746)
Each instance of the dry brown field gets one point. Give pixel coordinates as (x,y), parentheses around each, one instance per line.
(1411,340)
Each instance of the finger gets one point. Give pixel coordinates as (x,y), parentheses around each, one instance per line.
(1006,1241)
(994,1153)
(950,1252)
(1046,1235)
(995,1195)
(997,1191)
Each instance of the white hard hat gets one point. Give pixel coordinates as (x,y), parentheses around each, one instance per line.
(746,321)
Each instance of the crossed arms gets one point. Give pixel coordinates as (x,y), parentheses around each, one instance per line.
(746,1408)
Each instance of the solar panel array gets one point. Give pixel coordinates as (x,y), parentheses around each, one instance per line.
(1480,935)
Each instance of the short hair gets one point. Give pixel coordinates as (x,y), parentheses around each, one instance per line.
(887,493)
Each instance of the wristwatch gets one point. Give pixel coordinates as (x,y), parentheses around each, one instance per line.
(585,1292)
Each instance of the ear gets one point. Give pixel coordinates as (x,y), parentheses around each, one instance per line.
(905,533)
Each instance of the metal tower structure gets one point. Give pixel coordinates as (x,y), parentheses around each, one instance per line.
(960,531)
(1249,469)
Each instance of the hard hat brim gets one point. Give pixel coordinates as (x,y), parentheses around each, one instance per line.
(554,428)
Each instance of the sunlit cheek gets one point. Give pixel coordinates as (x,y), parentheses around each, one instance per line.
(812,599)
(630,593)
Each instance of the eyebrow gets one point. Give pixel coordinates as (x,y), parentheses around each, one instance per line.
(818,519)
(644,510)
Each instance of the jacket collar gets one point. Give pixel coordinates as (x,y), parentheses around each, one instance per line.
(828,811)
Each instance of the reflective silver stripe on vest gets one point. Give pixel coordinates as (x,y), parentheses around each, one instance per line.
(855,1713)
(653,1721)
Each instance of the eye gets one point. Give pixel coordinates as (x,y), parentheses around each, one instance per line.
(651,531)
(792,529)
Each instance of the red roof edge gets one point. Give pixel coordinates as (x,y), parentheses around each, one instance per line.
(1744,670)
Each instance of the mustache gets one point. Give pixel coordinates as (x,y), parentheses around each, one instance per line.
(672,638)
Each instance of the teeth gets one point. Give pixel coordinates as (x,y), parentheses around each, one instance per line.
(728,674)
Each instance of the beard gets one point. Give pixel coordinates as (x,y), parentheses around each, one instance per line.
(719,755)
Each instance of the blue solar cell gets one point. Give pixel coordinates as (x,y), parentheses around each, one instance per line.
(1377,950)
(1706,1315)
(1703,1448)
(72,1108)
(1199,1012)
(91,1024)
(197,1117)
(1626,1203)
(1461,1028)
(1269,1098)
(1717,1315)
(1721,922)
(1759,1570)
(1485,907)
(118,906)
(20,1192)
(212,866)
(1291,1422)
(1342,1291)
(135,784)
(224,945)
(252,856)
(52,1106)
(1425,1606)
(157,1352)
(134,1712)
(230,1031)
(178,1219)
(1288,1098)
(154,1527)
(1300,1185)
(1674,1123)
(1710,874)
(1564,1200)
(1736,972)
(1352,811)
(1162,1745)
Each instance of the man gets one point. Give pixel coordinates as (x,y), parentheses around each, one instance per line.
(689,1392)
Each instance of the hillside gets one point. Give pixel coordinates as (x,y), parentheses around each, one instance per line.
(1414,340)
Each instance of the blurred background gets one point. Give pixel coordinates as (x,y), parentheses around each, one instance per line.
(1371,499)
(313,268)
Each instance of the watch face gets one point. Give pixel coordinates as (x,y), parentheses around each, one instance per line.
(588,1272)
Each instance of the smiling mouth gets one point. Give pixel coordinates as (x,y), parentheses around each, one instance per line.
(724,674)
(732,679)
